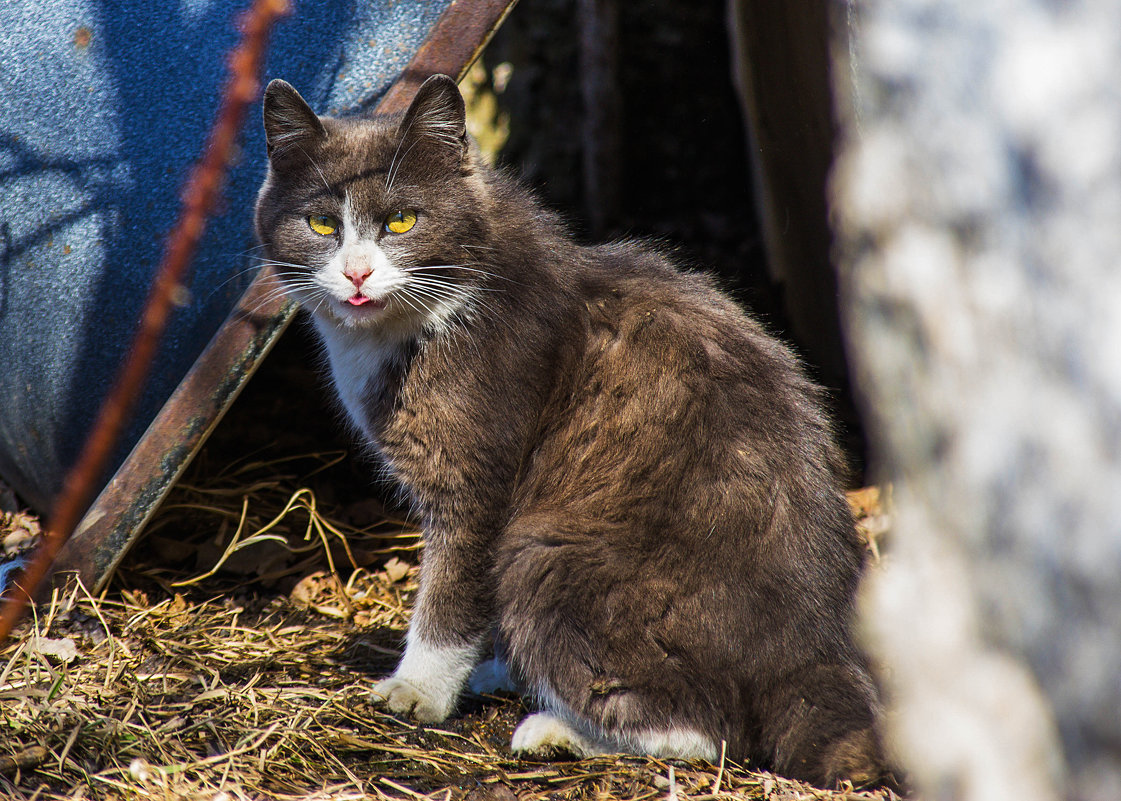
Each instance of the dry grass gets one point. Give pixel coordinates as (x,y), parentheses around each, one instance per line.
(252,681)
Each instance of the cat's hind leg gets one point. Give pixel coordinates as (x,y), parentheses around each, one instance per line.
(597,646)
(544,732)
(819,727)
(608,733)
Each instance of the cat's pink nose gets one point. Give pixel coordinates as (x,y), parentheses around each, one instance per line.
(357,273)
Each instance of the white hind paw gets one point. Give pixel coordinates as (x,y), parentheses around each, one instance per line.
(542,733)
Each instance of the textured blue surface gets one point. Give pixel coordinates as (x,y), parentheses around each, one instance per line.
(7,569)
(104,107)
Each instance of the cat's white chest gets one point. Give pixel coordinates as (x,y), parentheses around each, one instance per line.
(358,364)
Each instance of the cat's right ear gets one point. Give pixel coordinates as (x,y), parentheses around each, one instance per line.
(289,120)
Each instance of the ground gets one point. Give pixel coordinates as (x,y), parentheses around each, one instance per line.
(232,657)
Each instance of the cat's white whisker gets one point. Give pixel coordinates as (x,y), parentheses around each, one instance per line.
(252,268)
(238,274)
(465,267)
(422,295)
(458,288)
(322,177)
(248,253)
(294,285)
(403,297)
(397,166)
(393,161)
(447,286)
(275,263)
(443,292)
(323,298)
(268,299)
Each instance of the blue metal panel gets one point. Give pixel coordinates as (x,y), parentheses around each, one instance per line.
(104,107)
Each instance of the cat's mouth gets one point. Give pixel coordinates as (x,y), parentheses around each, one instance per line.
(358,299)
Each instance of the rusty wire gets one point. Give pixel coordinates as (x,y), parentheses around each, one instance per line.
(201,193)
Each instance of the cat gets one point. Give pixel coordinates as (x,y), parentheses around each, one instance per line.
(622,478)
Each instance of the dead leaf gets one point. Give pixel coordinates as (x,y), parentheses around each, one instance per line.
(864,501)
(364,619)
(23,533)
(321,592)
(395,570)
(62,650)
(177,612)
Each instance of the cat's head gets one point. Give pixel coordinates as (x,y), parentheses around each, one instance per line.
(374,222)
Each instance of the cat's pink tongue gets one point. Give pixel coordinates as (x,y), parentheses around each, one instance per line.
(357,300)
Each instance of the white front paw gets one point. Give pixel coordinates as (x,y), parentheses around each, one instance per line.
(429,679)
(406,698)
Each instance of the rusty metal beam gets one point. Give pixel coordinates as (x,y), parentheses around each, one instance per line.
(118,515)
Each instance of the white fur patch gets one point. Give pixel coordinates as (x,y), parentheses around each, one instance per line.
(360,340)
(384,277)
(672,743)
(356,359)
(429,679)
(676,744)
(543,731)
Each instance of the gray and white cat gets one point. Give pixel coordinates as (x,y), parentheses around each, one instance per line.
(619,473)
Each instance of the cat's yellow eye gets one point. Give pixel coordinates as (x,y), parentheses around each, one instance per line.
(400,221)
(323,224)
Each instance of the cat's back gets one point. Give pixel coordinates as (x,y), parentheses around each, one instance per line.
(679,324)
(685,422)
(671,363)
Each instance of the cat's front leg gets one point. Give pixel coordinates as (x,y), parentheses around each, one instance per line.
(429,679)
(446,636)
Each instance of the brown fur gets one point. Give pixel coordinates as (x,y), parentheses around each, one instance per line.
(617,468)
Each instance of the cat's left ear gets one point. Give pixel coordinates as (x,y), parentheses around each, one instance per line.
(438,115)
